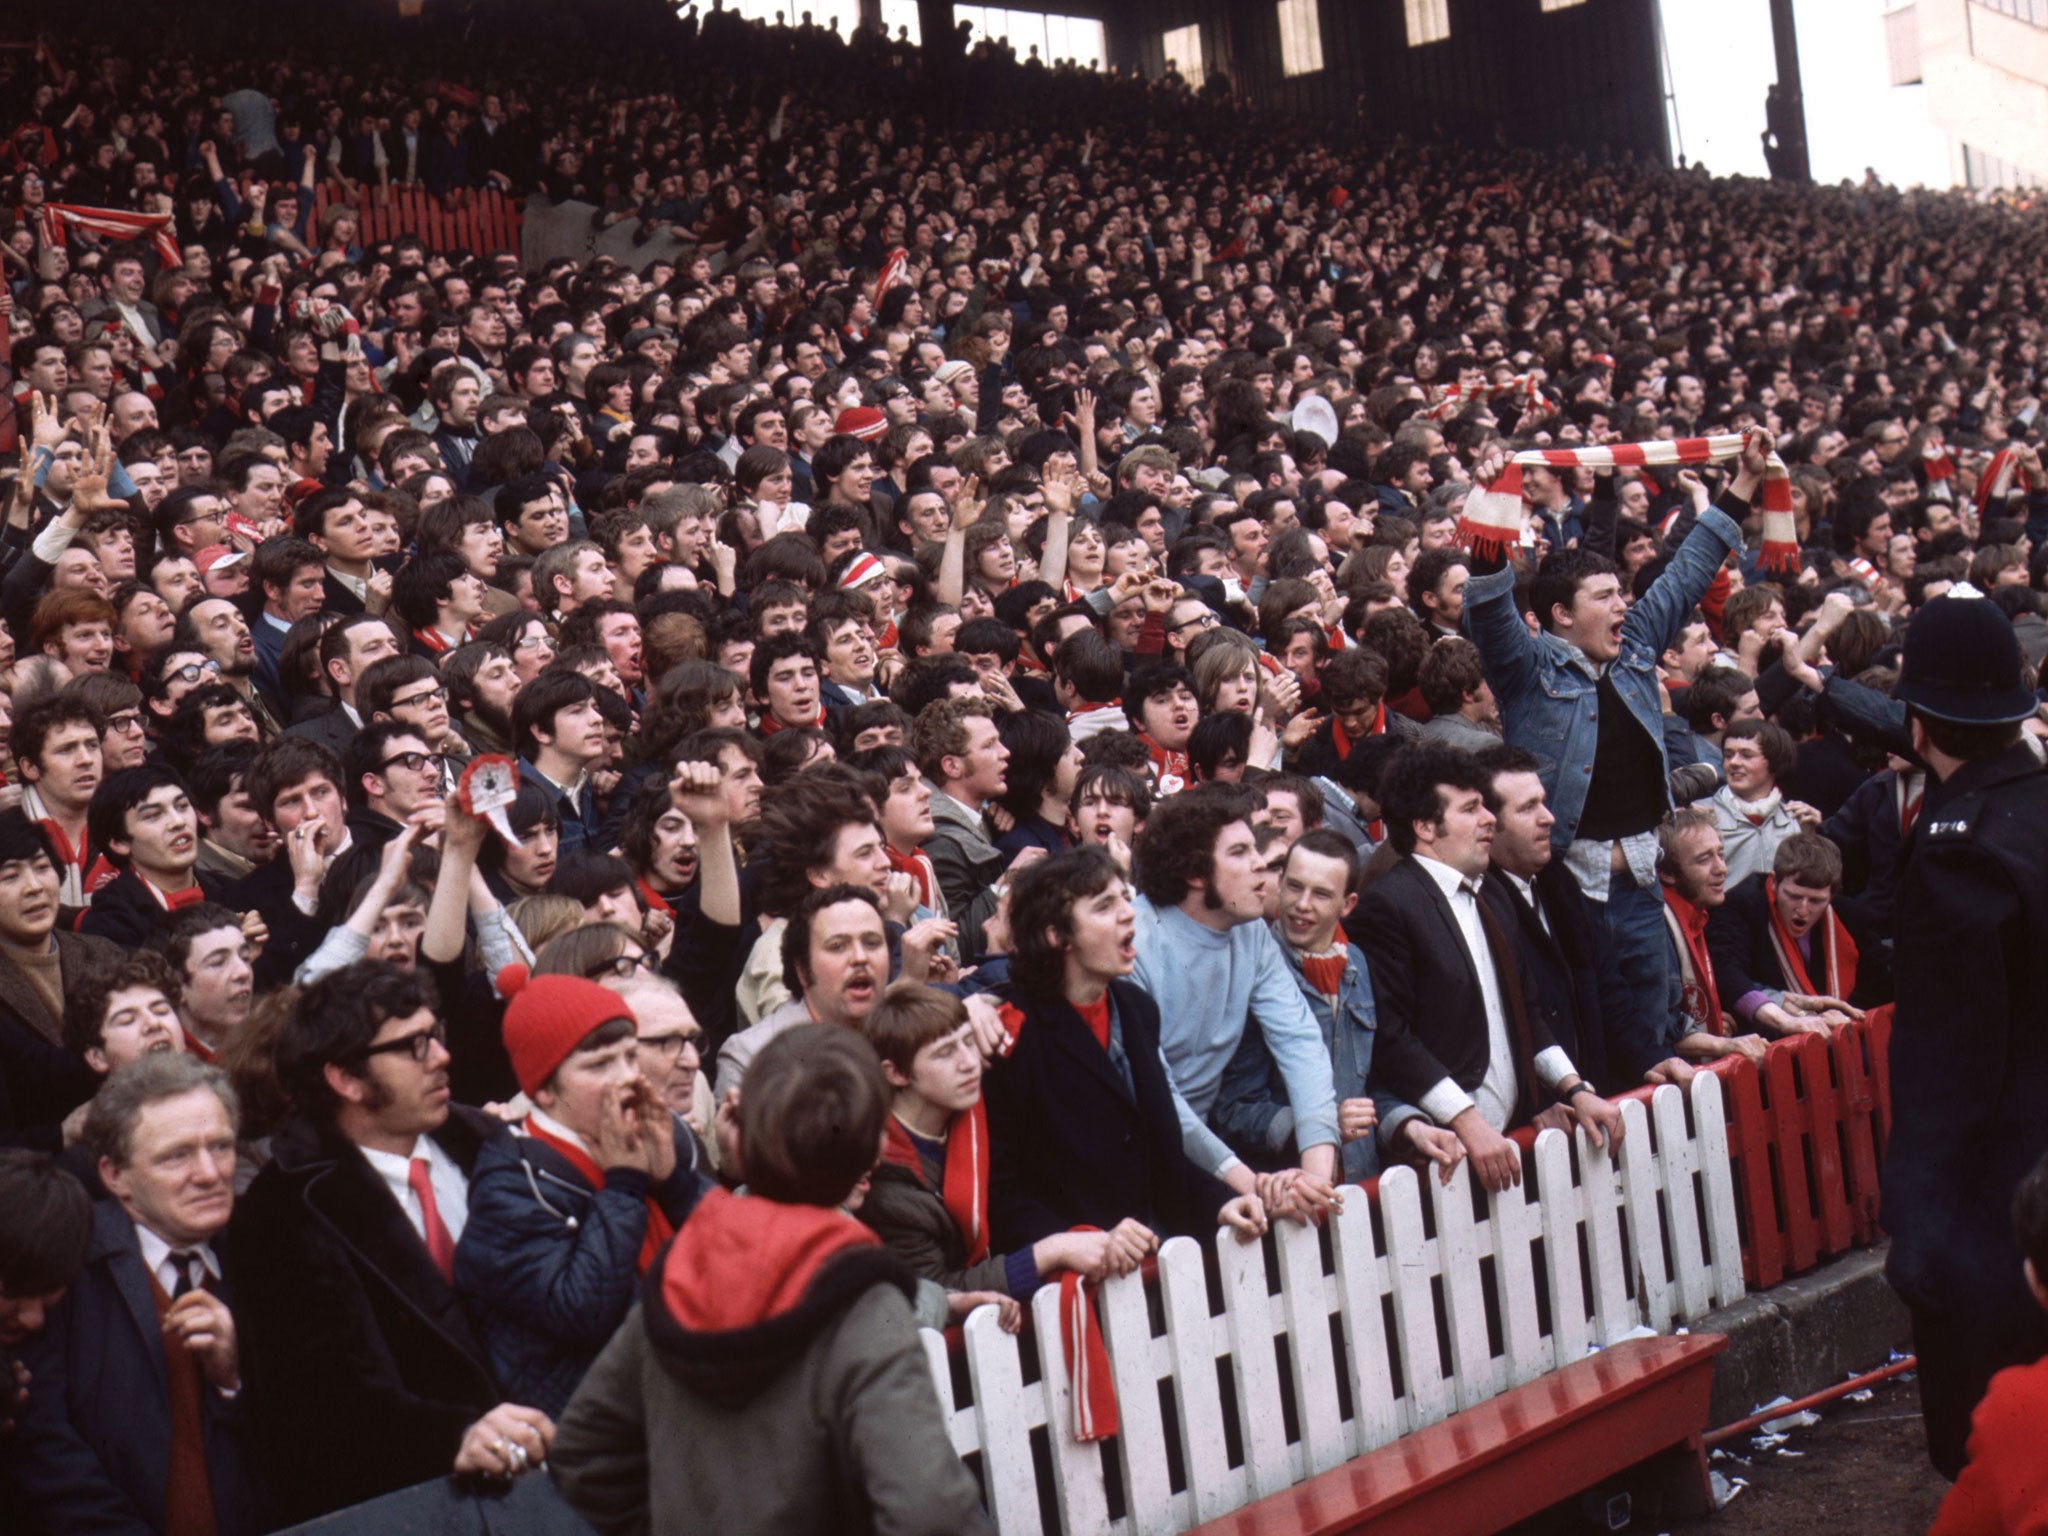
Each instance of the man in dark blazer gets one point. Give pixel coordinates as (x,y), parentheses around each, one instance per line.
(134,1421)
(1084,1123)
(347,651)
(1575,980)
(40,1081)
(365,1375)
(1458,1037)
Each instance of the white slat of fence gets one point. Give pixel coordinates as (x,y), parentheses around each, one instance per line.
(1191,1340)
(1458,1256)
(1670,1179)
(1361,1282)
(1717,1182)
(1142,1441)
(997,1377)
(1253,1366)
(1076,1466)
(1305,1307)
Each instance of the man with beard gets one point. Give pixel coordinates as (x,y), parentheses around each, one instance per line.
(215,626)
(354,1334)
(482,681)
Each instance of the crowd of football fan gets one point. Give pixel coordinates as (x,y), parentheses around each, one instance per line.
(996,593)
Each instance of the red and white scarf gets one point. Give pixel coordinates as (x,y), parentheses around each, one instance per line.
(1840,974)
(1492,520)
(1939,470)
(1451,398)
(1688,925)
(1094,1389)
(59,220)
(1998,479)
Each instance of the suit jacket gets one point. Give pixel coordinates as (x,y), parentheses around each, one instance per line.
(293,935)
(363,1370)
(1577,984)
(1070,1143)
(40,1081)
(333,729)
(93,1449)
(1431,1010)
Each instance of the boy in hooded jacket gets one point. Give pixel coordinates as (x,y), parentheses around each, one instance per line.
(771,1379)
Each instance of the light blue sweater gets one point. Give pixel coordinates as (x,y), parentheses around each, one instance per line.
(1208,986)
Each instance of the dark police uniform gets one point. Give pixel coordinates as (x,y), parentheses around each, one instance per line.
(1969,1059)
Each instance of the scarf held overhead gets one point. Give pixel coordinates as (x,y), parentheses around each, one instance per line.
(1492,520)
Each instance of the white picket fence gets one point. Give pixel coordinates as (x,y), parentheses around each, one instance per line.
(1390,1322)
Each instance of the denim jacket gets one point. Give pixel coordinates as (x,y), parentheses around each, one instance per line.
(1251,1111)
(1548,701)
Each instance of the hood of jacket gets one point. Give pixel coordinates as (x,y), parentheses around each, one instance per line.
(749,1283)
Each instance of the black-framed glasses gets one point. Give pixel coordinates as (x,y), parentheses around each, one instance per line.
(1202,620)
(415,762)
(193,671)
(434,695)
(128,723)
(419,1044)
(669,1047)
(619,967)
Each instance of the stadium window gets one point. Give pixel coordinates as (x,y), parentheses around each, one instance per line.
(1429,21)
(840,16)
(1183,49)
(1561,5)
(1055,38)
(1301,37)
(902,16)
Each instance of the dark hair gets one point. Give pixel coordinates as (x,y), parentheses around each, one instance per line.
(1354,676)
(1411,788)
(85,999)
(106,817)
(48,1228)
(1561,575)
(587,874)
(23,839)
(1090,665)
(1042,898)
(34,726)
(796,936)
(541,700)
(424,583)
(1177,846)
(2029,1220)
(1331,845)
(381,679)
(1120,785)
(285,763)
(1037,743)
(1450,670)
(773,649)
(213,775)
(336,1020)
(812,1115)
(1781,752)
(1216,737)
(175,931)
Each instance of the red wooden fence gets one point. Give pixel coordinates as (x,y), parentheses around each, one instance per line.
(1806,1137)
(478,222)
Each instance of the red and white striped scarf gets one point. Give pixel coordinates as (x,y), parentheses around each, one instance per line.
(59,219)
(1939,470)
(1998,478)
(1452,397)
(1492,520)
(894,274)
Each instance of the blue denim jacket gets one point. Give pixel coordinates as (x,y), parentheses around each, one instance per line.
(1251,1112)
(1548,699)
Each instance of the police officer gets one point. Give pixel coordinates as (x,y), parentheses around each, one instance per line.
(1969,1052)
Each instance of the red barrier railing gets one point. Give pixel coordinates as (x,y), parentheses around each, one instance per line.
(476,221)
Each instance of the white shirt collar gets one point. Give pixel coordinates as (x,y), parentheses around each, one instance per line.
(1526,887)
(156,1257)
(1449,880)
(390,1165)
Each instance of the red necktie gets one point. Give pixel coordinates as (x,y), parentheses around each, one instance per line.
(440,1246)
